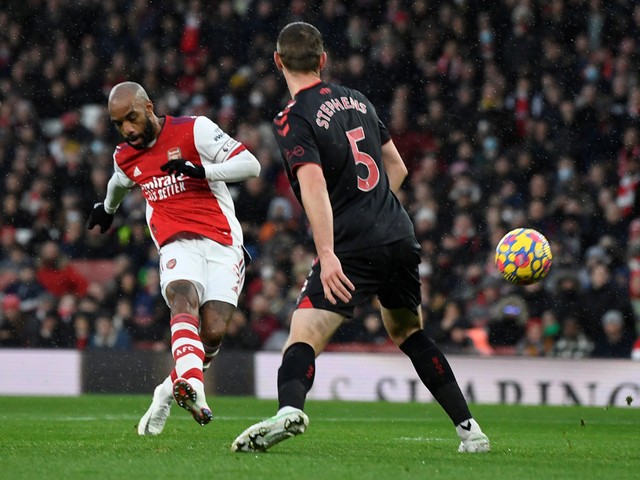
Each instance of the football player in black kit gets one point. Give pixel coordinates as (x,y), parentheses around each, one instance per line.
(345,170)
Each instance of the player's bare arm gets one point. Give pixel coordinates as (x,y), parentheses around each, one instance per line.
(315,199)
(394,166)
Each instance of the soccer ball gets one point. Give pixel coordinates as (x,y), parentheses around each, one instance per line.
(523,256)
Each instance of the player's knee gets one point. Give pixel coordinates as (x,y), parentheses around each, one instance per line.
(212,332)
(399,329)
(212,335)
(182,297)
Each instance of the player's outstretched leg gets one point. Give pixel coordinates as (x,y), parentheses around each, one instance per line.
(287,423)
(152,422)
(189,394)
(188,353)
(436,374)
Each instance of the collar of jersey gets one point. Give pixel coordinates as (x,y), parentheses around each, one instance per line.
(311,85)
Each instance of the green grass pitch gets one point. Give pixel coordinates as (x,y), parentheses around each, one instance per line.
(94,437)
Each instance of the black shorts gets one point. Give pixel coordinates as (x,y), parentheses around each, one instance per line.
(389,271)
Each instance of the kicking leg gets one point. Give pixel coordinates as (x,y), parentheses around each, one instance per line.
(187,350)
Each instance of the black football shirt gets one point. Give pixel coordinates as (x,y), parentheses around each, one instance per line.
(338,129)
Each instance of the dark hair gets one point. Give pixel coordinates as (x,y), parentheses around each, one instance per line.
(300,47)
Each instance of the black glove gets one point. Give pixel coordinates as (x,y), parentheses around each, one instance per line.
(184,167)
(100,217)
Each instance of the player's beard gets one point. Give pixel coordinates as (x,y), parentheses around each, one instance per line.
(147,135)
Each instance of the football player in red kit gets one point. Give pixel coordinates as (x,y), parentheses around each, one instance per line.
(182,165)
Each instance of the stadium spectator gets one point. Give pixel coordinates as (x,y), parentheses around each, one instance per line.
(239,333)
(450,332)
(572,342)
(186,162)
(370,328)
(51,332)
(440,329)
(567,292)
(252,206)
(616,341)
(507,324)
(551,327)
(27,288)
(13,328)
(538,299)
(82,324)
(56,274)
(600,297)
(262,319)
(534,343)
(359,220)
(107,336)
(122,315)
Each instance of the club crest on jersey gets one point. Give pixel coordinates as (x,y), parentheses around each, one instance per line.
(174,153)
(297,151)
(171,264)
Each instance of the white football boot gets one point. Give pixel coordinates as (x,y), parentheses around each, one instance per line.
(287,423)
(472,440)
(191,397)
(152,422)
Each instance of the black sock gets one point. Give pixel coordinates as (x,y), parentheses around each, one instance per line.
(436,374)
(295,375)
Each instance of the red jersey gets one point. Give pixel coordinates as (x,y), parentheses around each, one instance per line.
(178,203)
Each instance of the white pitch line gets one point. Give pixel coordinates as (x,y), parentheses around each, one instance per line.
(422,439)
(224,418)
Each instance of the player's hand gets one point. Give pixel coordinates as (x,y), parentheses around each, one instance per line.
(184,167)
(334,282)
(100,217)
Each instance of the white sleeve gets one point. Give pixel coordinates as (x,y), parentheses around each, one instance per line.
(223,158)
(118,186)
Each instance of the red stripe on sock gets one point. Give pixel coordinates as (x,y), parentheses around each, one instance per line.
(184,334)
(193,373)
(186,318)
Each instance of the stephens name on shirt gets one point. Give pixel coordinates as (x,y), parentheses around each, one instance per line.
(329,107)
(160,188)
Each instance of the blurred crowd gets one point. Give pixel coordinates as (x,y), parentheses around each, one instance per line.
(508,113)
